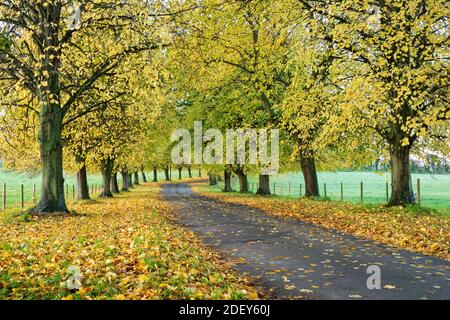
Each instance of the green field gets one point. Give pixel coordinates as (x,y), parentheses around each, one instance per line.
(14,180)
(435,189)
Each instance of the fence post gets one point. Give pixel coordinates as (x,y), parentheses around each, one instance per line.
(34,193)
(325,189)
(274,190)
(22,202)
(387,192)
(4,197)
(342,191)
(73,191)
(418,192)
(300,189)
(362,192)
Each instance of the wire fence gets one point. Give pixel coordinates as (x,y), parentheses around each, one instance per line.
(27,194)
(360,192)
(427,192)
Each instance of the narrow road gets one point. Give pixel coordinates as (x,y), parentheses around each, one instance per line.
(294,259)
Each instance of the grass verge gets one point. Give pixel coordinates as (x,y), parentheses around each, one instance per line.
(125,247)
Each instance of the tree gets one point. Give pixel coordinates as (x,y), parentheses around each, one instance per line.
(244,41)
(306,105)
(36,55)
(227,179)
(397,85)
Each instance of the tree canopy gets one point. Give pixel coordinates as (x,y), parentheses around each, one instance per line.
(100,85)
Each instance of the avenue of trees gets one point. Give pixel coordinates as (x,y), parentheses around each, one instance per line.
(348,82)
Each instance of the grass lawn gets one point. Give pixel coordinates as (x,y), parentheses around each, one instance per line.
(435,189)
(14,180)
(127,247)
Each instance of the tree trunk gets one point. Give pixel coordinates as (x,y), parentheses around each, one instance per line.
(190,172)
(136,178)
(180,170)
(82,184)
(243,181)
(212,179)
(50,116)
(130,181)
(125,181)
(114,184)
(144,178)
(402,192)
(227,181)
(308,165)
(199,173)
(52,183)
(106,169)
(166,173)
(155,174)
(264,186)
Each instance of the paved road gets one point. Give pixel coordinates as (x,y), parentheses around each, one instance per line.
(294,259)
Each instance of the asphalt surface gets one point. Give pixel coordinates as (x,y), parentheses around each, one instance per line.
(298,260)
